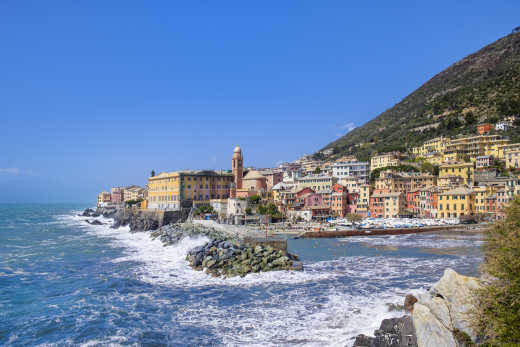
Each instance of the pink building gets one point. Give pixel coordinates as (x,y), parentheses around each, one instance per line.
(117,195)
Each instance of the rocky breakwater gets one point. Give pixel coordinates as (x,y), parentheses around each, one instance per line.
(228,259)
(440,317)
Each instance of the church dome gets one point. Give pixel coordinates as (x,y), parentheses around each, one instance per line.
(237,150)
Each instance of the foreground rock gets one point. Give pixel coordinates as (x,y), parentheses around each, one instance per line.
(438,317)
(441,316)
(393,332)
(224,258)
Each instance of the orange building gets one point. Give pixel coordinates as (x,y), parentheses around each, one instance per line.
(484,128)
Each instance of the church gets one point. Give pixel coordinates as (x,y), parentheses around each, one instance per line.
(244,186)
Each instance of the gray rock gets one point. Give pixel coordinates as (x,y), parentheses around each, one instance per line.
(394,332)
(429,330)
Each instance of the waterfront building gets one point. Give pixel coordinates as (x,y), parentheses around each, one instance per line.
(456,202)
(363,200)
(174,190)
(387,204)
(428,200)
(318,182)
(350,169)
(134,193)
(103,199)
(463,170)
(384,160)
(117,195)
(339,200)
(412,201)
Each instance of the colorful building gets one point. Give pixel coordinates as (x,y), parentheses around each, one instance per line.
(387,205)
(484,128)
(384,160)
(318,183)
(456,202)
(174,190)
(103,199)
(462,170)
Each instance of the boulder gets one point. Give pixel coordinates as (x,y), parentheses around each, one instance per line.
(451,299)
(429,330)
(393,332)
(409,301)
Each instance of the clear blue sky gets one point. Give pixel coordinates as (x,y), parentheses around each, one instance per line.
(98,93)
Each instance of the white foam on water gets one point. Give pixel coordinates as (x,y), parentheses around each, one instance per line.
(328,303)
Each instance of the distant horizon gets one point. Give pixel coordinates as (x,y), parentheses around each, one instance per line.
(100,94)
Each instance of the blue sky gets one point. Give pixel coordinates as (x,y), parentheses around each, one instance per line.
(98,93)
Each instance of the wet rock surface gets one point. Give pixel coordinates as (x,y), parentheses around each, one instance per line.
(393,332)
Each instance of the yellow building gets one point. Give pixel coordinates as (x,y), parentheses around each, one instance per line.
(433,146)
(512,158)
(474,146)
(480,194)
(456,202)
(362,204)
(384,160)
(103,199)
(463,170)
(173,190)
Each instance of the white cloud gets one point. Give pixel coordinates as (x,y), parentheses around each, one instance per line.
(10,171)
(349,126)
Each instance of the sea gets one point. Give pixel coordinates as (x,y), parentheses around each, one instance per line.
(64,282)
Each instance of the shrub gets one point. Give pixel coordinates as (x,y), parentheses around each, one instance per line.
(498,309)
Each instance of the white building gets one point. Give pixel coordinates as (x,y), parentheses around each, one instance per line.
(236,206)
(356,169)
(502,126)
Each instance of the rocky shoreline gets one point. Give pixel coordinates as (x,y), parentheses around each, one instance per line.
(224,255)
(436,318)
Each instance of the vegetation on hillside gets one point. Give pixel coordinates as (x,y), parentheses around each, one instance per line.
(498,309)
(484,86)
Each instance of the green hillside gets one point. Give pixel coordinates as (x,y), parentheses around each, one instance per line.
(484,86)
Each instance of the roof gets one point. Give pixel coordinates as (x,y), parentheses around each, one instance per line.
(282,186)
(458,191)
(253,175)
(385,195)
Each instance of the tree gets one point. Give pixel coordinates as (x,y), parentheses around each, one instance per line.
(498,301)
(254,199)
(470,118)
(152,173)
(317,170)
(248,211)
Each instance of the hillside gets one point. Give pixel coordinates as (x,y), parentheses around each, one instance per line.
(484,86)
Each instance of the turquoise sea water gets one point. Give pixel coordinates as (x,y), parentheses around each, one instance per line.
(64,282)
